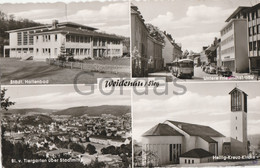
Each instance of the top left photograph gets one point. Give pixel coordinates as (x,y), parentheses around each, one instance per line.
(64,43)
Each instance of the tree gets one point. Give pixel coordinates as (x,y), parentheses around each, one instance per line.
(185,54)
(91,149)
(77,147)
(64,55)
(5,102)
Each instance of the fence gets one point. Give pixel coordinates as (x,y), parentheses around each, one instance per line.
(90,67)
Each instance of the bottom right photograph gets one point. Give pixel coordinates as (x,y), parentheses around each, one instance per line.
(197,124)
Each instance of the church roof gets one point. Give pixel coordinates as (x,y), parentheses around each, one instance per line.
(197,153)
(162,130)
(236,89)
(197,130)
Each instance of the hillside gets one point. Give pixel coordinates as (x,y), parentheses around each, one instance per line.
(29,110)
(95,110)
(254,140)
(9,22)
(36,120)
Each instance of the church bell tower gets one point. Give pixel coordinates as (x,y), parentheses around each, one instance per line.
(238,122)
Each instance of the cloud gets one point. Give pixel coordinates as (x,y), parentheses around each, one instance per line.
(123,30)
(198,27)
(113,16)
(195,42)
(39,14)
(105,13)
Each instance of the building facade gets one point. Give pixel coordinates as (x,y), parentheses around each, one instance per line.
(234,46)
(238,122)
(252,16)
(139,41)
(171,50)
(154,51)
(48,41)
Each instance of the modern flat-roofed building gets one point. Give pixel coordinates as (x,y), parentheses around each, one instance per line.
(46,41)
(252,15)
(234,45)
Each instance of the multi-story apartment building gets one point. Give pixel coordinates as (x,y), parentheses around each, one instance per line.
(139,41)
(252,15)
(154,50)
(47,41)
(234,45)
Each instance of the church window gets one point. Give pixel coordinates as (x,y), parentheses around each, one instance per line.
(170,152)
(192,161)
(236,104)
(185,160)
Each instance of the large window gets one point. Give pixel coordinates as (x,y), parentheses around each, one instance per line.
(236,102)
(25,38)
(19,38)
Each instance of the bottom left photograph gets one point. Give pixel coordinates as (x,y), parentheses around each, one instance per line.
(56,126)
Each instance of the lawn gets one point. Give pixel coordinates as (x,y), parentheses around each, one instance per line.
(14,69)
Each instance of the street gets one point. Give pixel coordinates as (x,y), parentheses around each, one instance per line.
(200,75)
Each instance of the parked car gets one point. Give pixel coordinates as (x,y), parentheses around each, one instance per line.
(224,71)
(212,70)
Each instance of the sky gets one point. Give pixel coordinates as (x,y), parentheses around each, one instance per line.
(62,97)
(203,103)
(110,17)
(193,23)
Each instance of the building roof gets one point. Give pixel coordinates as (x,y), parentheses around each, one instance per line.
(72,30)
(239,9)
(208,139)
(76,25)
(236,89)
(49,26)
(162,130)
(197,130)
(197,153)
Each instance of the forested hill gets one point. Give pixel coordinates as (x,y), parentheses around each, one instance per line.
(9,22)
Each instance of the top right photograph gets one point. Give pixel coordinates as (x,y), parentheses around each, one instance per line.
(194,40)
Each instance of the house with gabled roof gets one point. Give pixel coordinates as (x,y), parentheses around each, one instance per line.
(172,138)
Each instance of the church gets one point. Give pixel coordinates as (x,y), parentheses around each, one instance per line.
(173,142)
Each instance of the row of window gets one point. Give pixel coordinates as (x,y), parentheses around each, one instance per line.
(236,102)
(253,46)
(227,40)
(253,15)
(228,50)
(227,29)
(23,38)
(78,51)
(46,51)
(78,39)
(189,161)
(254,30)
(174,152)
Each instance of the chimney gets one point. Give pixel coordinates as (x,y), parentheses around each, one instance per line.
(55,24)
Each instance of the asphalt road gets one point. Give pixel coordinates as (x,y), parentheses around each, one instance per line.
(200,75)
